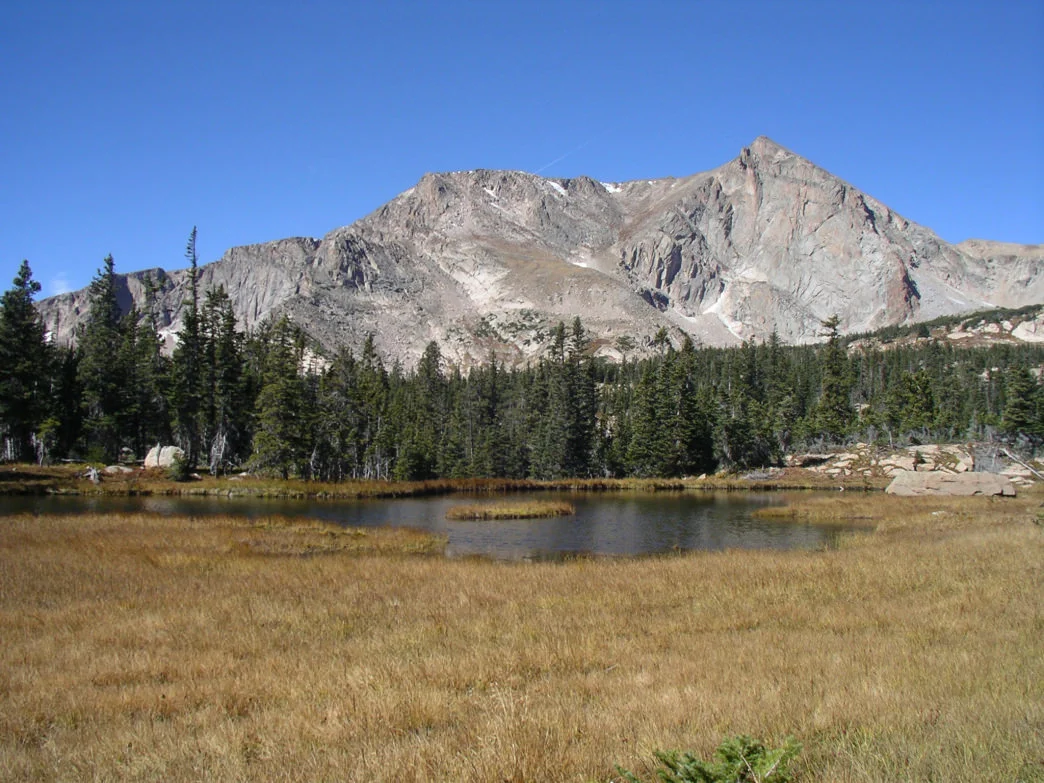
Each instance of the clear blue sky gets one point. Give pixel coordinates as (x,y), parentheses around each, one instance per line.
(125,124)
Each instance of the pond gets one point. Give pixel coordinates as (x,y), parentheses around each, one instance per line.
(605,523)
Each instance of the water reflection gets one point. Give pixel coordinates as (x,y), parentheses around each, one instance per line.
(604,523)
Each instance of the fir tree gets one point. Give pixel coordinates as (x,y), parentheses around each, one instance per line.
(281,438)
(834,412)
(223,390)
(24,367)
(1021,409)
(187,366)
(100,371)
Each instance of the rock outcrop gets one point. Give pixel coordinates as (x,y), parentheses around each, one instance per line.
(163,456)
(490,260)
(912,484)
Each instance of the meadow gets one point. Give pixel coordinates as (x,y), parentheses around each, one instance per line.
(149,648)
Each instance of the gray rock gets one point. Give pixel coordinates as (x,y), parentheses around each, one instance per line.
(897,462)
(908,484)
(491,260)
(163,456)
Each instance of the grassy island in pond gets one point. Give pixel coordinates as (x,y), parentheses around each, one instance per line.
(532,509)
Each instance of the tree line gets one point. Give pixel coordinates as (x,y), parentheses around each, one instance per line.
(233,399)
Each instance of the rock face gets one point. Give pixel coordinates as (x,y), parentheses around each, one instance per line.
(490,260)
(910,484)
(163,456)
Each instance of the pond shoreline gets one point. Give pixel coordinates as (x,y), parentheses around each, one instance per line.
(70,480)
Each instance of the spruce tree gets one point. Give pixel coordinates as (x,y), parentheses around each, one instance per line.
(100,371)
(1021,410)
(24,367)
(187,366)
(281,438)
(834,412)
(223,392)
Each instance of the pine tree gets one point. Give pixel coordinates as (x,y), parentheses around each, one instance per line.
(24,367)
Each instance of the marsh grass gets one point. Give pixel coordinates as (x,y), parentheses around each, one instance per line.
(533,509)
(149,648)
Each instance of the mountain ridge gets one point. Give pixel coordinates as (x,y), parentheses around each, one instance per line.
(488,261)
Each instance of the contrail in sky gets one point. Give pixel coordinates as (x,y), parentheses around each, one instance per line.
(563,157)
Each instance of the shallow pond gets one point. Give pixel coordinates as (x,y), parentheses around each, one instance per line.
(605,523)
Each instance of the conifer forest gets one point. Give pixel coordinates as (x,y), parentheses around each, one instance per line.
(250,400)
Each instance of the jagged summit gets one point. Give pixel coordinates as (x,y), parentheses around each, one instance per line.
(489,260)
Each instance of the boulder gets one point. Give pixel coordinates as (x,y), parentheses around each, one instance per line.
(898,463)
(909,484)
(163,456)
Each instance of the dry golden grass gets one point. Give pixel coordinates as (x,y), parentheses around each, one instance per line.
(139,648)
(69,479)
(531,509)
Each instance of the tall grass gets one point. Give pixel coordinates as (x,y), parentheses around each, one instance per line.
(145,648)
(530,509)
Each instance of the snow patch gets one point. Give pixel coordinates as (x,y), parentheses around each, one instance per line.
(557,187)
(490,192)
(611,187)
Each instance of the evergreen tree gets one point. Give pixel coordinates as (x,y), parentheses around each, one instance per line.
(375,441)
(281,439)
(187,365)
(100,370)
(24,368)
(141,416)
(223,391)
(1021,409)
(834,412)
(644,450)
(63,430)
(551,411)
(582,405)
(692,425)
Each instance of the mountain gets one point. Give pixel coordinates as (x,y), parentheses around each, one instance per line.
(491,260)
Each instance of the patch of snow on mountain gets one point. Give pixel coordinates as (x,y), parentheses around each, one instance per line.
(611,187)
(557,187)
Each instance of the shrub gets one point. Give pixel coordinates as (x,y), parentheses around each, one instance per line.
(180,469)
(738,759)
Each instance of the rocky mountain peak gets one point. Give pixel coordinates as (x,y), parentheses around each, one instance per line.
(488,261)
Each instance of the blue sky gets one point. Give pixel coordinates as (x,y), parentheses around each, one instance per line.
(125,124)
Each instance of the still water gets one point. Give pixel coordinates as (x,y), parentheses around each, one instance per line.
(604,523)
